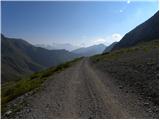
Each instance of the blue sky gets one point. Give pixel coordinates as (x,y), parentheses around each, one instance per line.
(78,23)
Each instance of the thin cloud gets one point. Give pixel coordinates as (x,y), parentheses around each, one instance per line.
(107,40)
(120,11)
(99,41)
(128,2)
(116,37)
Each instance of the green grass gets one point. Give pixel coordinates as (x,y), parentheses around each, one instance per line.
(145,46)
(12,90)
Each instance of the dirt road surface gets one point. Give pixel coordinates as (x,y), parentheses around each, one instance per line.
(82,91)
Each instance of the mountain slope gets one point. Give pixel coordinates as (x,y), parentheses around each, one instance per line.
(20,58)
(89,51)
(109,48)
(149,30)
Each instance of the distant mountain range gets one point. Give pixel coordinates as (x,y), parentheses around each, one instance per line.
(109,48)
(89,51)
(57,46)
(149,30)
(21,58)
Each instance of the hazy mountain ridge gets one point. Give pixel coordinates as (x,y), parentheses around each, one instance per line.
(91,50)
(20,58)
(57,46)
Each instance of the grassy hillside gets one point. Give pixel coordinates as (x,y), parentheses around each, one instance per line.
(20,58)
(135,69)
(14,62)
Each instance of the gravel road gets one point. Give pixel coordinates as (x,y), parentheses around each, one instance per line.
(82,91)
